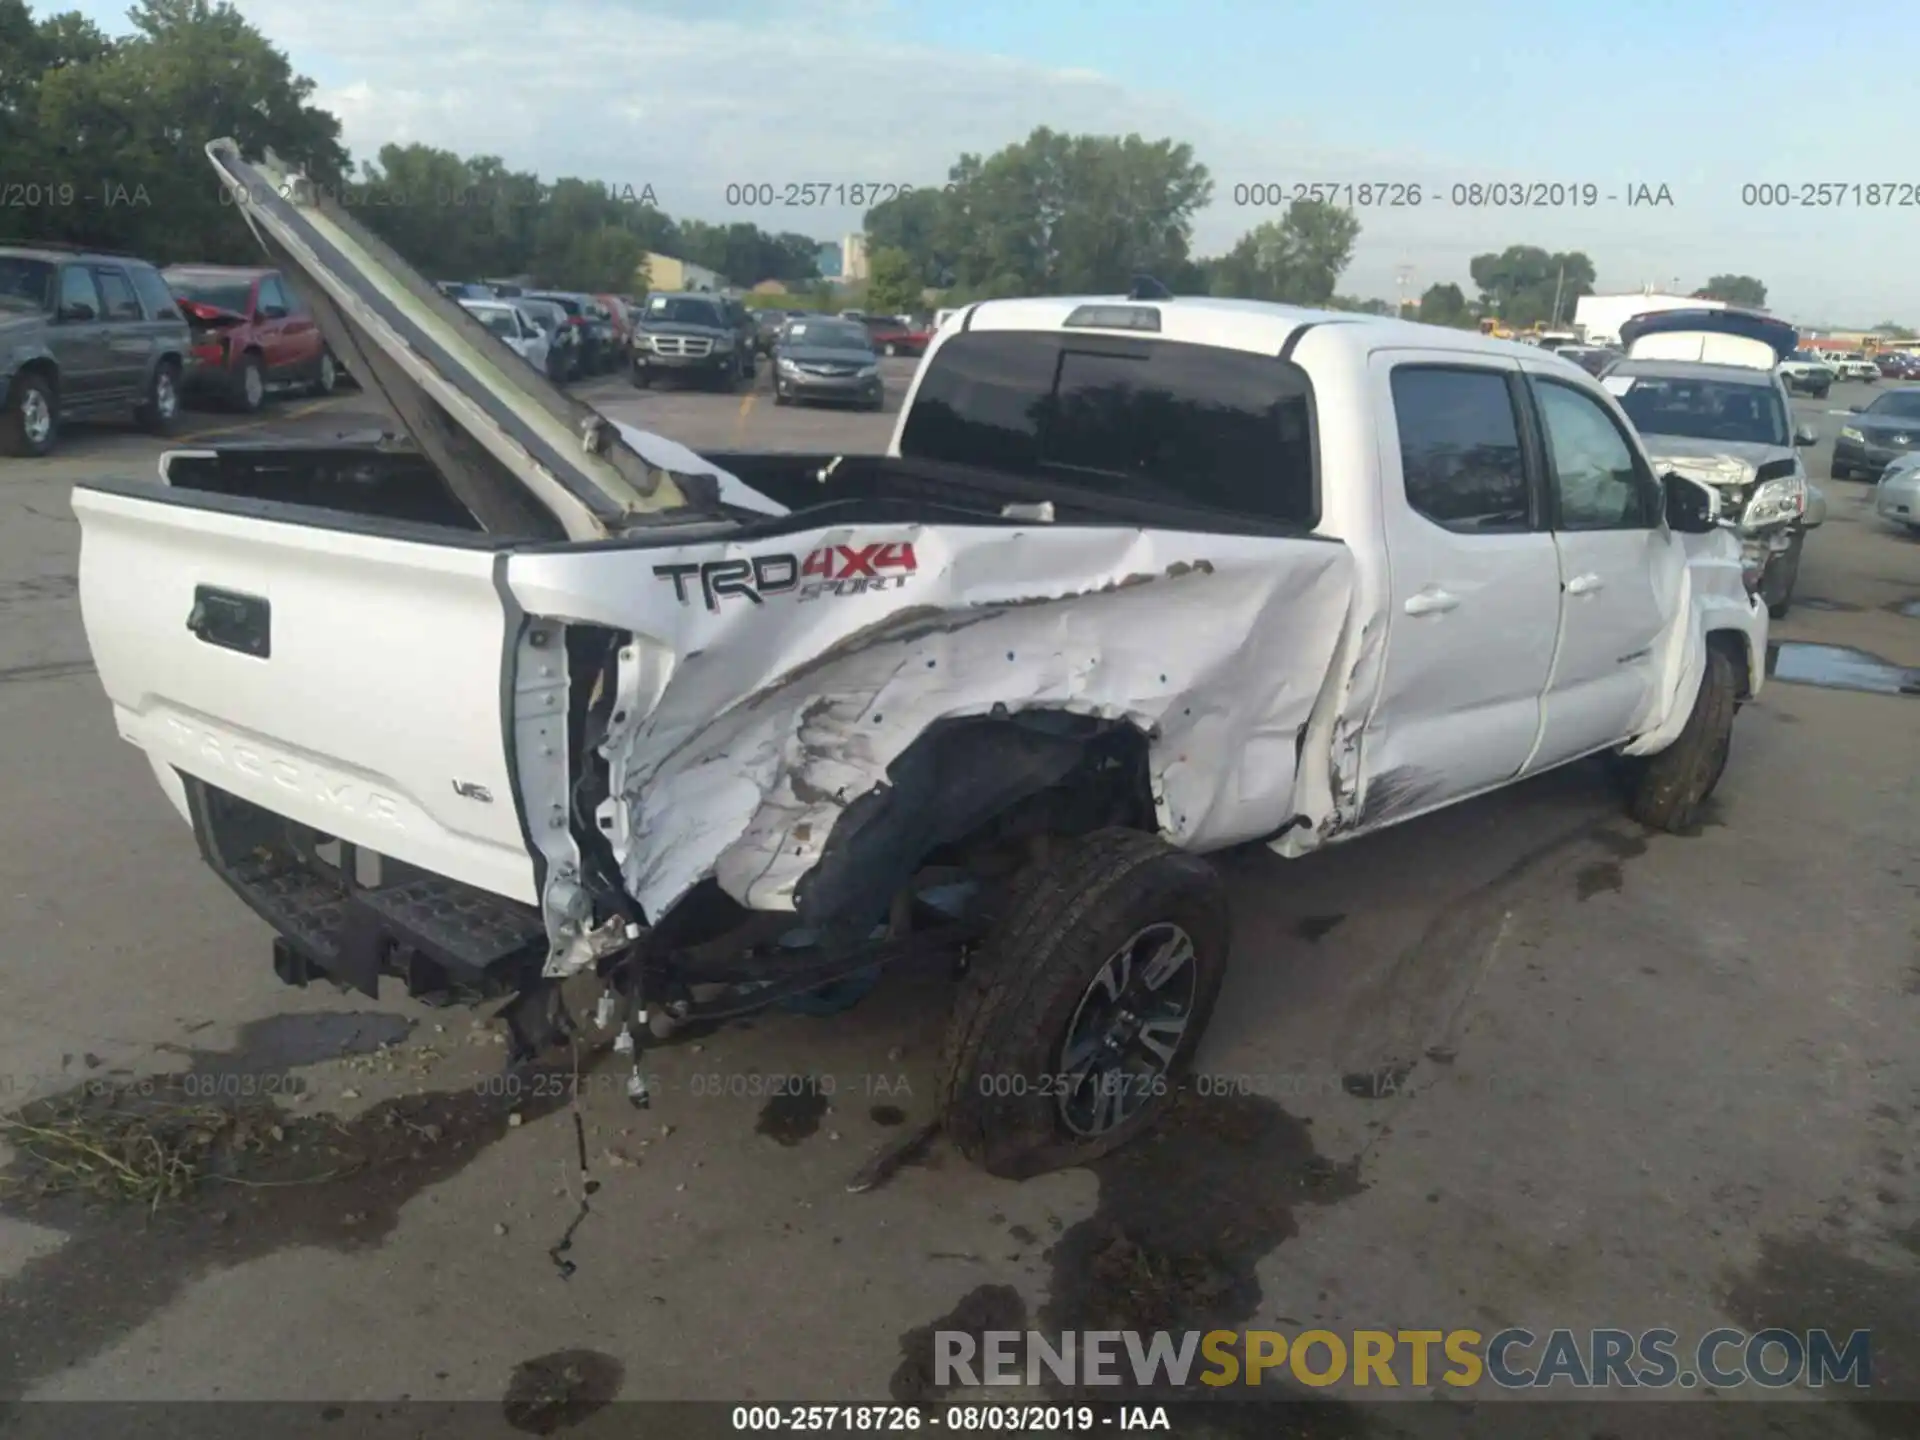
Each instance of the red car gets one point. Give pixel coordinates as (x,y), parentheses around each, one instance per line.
(251,334)
(890,337)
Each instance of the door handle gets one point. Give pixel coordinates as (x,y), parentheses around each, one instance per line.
(1585,584)
(1432,602)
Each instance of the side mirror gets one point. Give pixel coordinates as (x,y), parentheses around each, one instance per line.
(1853,409)
(1806,435)
(1816,513)
(271,312)
(76,312)
(1693,507)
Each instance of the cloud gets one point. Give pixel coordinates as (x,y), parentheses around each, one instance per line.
(689,96)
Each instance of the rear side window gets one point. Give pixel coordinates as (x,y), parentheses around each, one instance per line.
(154,294)
(1149,421)
(117,293)
(78,291)
(1460,452)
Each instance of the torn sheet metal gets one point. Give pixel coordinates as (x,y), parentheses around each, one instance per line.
(772,684)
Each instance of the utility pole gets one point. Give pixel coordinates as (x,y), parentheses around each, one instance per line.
(1402,278)
(1557,286)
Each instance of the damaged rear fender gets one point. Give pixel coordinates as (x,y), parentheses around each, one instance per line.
(749,731)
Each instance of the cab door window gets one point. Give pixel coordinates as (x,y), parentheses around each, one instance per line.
(1597,482)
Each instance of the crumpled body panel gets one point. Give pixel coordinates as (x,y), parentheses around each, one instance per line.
(756,720)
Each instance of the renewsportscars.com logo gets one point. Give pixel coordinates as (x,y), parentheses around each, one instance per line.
(830,570)
(1513,1359)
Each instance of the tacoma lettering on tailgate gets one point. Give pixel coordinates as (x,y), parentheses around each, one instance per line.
(830,570)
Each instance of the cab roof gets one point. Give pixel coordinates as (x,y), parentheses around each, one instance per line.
(1258,326)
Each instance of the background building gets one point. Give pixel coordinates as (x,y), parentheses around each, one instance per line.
(1599,317)
(853,265)
(664,272)
(832,261)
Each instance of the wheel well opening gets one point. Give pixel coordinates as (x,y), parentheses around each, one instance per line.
(1735,646)
(975,793)
(43,368)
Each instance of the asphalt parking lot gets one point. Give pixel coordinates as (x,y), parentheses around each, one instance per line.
(1516,1063)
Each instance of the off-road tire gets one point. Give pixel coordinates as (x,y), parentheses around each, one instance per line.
(1668,789)
(639,378)
(1840,472)
(1064,918)
(13,426)
(153,415)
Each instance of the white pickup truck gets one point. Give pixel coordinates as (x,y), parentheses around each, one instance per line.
(531,699)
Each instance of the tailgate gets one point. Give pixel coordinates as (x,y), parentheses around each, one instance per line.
(346,680)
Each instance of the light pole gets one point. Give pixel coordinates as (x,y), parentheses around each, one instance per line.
(1403,278)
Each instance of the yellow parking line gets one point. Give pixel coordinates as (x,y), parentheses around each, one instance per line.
(294,414)
(740,422)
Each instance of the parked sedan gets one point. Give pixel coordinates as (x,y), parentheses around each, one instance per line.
(827,360)
(1898,365)
(1591,358)
(892,336)
(520,332)
(1897,496)
(251,334)
(563,340)
(592,327)
(1875,436)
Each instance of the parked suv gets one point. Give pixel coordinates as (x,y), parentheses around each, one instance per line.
(84,333)
(251,334)
(694,336)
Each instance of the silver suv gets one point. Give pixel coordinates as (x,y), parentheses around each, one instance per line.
(84,333)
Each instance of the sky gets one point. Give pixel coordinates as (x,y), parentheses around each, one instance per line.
(1703,99)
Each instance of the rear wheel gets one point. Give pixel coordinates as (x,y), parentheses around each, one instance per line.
(31,422)
(1668,789)
(249,385)
(1082,1011)
(161,408)
(326,374)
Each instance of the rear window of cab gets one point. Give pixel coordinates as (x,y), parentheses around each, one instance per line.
(1153,421)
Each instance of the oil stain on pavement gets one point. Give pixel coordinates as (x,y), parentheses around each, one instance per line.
(1185,1214)
(1805,1282)
(558,1391)
(791,1115)
(156,1182)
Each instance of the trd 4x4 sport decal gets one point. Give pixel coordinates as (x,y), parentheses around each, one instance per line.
(830,570)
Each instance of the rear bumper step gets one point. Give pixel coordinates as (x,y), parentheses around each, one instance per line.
(441,937)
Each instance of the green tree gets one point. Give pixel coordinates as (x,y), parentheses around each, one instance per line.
(1734,290)
(121,126)
(580,241)
(1445,304)
(1296,259)
(893,282)
(1059,213)
(1523,283)
(915,224)
(1894,330)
